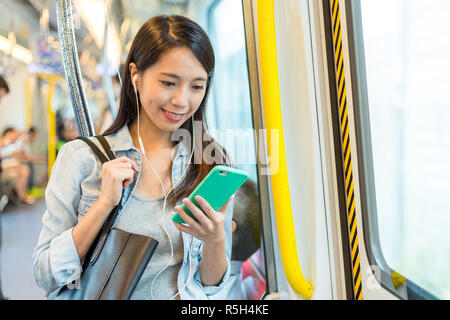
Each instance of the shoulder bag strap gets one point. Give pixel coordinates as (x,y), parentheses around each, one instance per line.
(108,223)
(113,215)
(106,147)
(95,149)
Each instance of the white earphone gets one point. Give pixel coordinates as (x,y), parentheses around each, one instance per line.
(134,82)
(141,145)
(137,103)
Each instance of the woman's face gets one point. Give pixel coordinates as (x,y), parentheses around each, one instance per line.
(172,89)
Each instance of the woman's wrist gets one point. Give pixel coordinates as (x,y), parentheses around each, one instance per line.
(104,205)
(214,244)
(214,263)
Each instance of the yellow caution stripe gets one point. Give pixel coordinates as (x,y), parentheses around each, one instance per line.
(397,279)
(346,149)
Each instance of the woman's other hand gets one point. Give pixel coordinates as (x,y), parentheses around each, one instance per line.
(117,174)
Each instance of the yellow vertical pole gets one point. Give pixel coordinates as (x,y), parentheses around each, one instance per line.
(28,104)
(51,119)
(273,120)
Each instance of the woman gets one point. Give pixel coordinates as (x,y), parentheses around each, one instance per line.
(165,88)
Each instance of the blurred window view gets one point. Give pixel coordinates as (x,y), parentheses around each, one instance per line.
(407,65)
(232,111)
(230,118)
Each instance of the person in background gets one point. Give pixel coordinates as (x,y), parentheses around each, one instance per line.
(12,136)
(13,168)
(27,158)
(66,130)
(4,89)
(8,138)
(247,276)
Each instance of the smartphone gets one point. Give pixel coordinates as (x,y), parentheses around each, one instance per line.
(216,188)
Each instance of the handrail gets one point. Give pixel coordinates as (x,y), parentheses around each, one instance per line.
(72,68)
(273,120)
(51,118)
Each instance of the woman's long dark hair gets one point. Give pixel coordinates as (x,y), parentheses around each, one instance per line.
(155,37)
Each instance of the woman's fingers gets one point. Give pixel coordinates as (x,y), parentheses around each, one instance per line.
(198,214)
(122,160)
(124,165)
(208,210)
(187,219)
(123,175)
(116,175)
(210,225)
(186,229)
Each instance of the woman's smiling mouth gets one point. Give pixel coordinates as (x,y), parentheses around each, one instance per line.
(172,116)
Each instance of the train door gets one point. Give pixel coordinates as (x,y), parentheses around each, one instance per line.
(386,72)
(283,72)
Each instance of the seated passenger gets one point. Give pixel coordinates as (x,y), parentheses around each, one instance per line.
(12,167)
(66,130)
(26,157)
(247,277)
(4,88)
(24,151)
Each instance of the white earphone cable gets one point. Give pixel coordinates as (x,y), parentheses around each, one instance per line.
(162,217)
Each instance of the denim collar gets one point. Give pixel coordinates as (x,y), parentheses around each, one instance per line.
(123,141)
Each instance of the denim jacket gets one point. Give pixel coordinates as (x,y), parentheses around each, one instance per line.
(73,188)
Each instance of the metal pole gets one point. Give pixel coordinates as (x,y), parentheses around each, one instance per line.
(72,67)
(107,82)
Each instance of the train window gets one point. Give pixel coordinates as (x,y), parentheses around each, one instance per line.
(407,67)
(232,125)
(231,92)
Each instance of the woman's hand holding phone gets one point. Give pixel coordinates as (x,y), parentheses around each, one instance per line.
(198,211)
(209,226)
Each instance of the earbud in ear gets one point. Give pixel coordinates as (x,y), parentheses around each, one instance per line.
(134,82)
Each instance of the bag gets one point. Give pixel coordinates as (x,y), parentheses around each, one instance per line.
(116,260)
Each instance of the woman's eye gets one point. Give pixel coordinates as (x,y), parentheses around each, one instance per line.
(197,87)
(168,83)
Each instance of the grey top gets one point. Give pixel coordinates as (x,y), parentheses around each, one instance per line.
(144,216)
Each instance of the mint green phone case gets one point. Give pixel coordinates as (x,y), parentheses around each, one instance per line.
(217,187)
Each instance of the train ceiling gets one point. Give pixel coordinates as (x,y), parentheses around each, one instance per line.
(125,16)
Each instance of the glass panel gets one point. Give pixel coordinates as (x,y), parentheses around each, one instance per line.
(232,116)
(407,65)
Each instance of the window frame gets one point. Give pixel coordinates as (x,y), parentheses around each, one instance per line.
(383,273)
(265,195)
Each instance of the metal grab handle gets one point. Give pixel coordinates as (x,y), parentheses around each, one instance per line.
(273,120)
(72,68)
